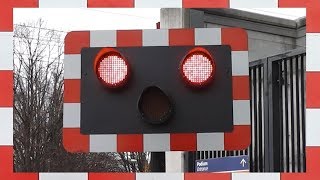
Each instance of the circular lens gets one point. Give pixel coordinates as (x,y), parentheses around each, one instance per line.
(155,106)
(112,69)
(198,68)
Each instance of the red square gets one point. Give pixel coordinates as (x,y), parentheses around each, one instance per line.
(313,14)
(6,159)
(293,176)
(129,38)
(207,176)
(112,176)
(237,38)
(292,3)
(24,176)
(130,142)
(110,3)
(183,142)
(75,41)
(74,141)
(240,87)
(26,3)
(181,37)
(313,89)
(238,139)
(6,15)
(72,90)
(205,3)
(6,88)
(313,162)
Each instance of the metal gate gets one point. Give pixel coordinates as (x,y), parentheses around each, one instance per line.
(277,116)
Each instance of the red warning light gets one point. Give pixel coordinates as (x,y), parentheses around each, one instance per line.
(111,68)
(198,67)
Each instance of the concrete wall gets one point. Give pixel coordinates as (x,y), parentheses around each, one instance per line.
(301,32)
(267,35)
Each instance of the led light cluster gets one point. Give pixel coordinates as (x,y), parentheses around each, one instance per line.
(198,67)
(111,68)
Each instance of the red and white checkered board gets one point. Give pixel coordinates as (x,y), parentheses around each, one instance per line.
(238,139)
(312,91)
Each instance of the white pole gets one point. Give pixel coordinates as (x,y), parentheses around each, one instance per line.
(173,18)
(174,162)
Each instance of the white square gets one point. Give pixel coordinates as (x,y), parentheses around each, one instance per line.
(241,112)
(159,37)
(210,141)
(159,176)
(207,36)
(6,51)
(240,63)
(103,143)
(313,54)
(72,66)
(156,142)
(253,3)
(255,176)
(63,176)
(6,127)
(71,115)
(158,4)
(103,38)
(62,4)
(312,127)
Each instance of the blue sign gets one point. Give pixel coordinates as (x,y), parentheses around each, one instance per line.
(225,164)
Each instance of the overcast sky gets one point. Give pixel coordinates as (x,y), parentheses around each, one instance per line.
(109,19)
(91,19)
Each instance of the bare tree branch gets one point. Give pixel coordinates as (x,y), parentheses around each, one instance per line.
(38,106)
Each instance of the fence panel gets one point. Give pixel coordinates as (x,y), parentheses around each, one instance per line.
(277,116)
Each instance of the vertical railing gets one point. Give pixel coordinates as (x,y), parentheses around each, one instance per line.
(257,148)
(292,115)
(277,115)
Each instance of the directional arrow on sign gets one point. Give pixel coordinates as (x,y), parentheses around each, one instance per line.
(243,162)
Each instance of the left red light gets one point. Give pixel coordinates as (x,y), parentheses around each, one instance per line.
(111,68)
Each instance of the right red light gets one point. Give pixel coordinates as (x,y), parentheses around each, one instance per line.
(198,67)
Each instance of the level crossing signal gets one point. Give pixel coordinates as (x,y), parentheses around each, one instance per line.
(156,90)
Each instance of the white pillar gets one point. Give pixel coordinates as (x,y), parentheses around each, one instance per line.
(174,18)
(174,162)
